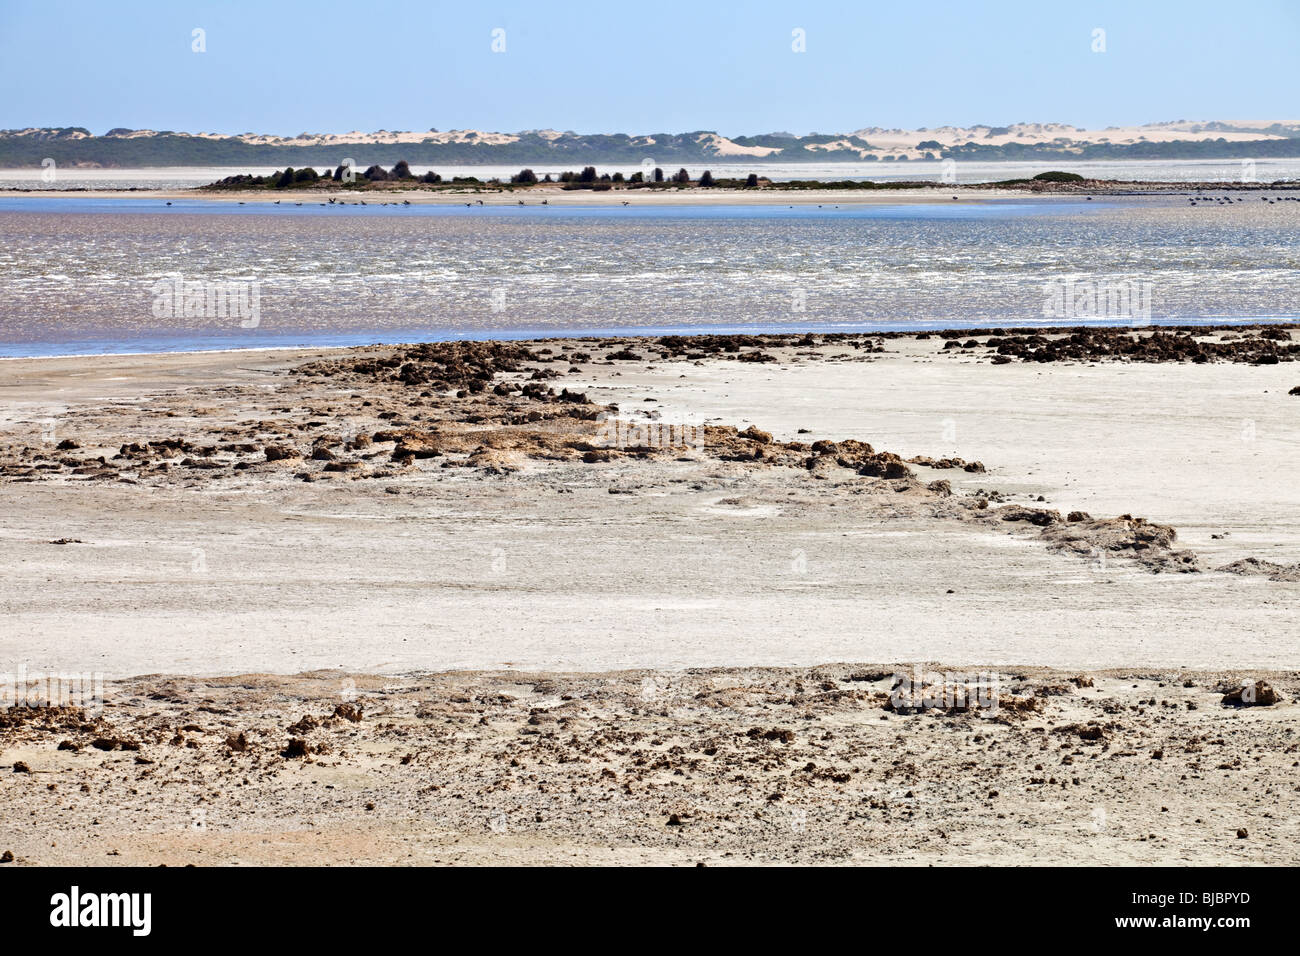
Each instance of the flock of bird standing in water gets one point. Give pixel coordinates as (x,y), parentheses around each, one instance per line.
(1192,201)
(405,202)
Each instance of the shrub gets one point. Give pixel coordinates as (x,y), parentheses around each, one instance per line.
(706,178)
(1056,176)
(525,177)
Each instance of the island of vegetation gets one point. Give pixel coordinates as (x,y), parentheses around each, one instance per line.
(401,178)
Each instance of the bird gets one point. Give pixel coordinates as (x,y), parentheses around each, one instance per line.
(169,204)
(625,202)
(277,202)
(521,202)
(406,202)
(544,202)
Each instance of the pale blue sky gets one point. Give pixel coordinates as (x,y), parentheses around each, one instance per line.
(320,66)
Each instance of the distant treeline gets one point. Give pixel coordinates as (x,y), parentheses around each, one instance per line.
(169,149)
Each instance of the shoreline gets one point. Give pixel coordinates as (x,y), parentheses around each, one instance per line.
(488,194)
(1210,327)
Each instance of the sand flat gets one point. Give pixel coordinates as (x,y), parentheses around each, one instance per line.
(481,639)
(663,563)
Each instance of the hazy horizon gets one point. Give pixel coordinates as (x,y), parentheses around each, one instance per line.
(828,68)
(677,132)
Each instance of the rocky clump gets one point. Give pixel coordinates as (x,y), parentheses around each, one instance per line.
(1268,346)
(1152,545)
(1253,694)
(440,366)
(975,467)
(1260,567)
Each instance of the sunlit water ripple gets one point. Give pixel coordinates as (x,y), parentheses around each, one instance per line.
(79,275)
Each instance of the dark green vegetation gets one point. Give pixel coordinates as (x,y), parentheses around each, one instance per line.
(586,178)
(308,176)
(73,145)
(589,178)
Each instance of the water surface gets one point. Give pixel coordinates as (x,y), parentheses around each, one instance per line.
(81,275)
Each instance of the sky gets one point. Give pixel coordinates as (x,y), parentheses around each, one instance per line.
(319,66)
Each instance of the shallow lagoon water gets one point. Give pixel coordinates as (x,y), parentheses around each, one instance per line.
(80,275)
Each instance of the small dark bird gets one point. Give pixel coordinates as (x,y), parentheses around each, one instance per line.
(169,204)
